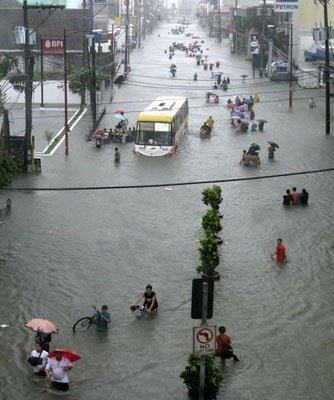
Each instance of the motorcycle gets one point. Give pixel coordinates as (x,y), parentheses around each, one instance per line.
(173,70)
(195,76)
(98,142)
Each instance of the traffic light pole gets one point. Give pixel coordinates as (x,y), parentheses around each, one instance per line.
(203,358)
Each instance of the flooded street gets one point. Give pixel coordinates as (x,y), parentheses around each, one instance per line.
(62,251)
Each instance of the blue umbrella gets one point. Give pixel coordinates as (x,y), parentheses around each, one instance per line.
(121,117)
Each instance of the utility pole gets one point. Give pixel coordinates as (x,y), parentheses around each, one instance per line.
(327,67)
(263,32)
(84,46)
(93,83)
(29,75)
(127,49)
(220,23)
(66,127)
(235,13)
(139,24)
(203,358)
(290,65)
(42,76)
(28,71)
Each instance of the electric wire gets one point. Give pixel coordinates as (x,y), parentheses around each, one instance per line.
(170,184)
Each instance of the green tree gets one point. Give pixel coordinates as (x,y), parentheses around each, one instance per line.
(212,197)
(80,79)
(209,254)
(17,81)
(8,167)
(191,377)
(211,222)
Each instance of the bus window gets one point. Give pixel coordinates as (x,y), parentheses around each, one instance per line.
(145,132)
(163,134)
(150,133)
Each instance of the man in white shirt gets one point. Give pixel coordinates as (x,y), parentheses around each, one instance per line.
(56,371)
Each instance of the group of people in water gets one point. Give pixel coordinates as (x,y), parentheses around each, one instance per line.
(54,365)
(249,158)
(294,198)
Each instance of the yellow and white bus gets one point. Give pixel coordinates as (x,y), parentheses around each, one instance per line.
(161,126)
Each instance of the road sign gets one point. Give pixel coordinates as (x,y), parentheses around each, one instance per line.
(53,46)
(204,340)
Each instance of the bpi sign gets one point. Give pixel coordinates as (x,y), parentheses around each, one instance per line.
(53,46)
(204,340)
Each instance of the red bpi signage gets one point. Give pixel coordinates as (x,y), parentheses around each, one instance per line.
(53,46)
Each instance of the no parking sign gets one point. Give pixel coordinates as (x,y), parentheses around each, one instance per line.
(204,340)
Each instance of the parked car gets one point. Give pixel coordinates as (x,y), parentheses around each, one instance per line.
(279,66)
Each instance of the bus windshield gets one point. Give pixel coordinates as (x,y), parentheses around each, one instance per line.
(154,133)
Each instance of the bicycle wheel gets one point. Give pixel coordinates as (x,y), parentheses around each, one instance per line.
(83,324)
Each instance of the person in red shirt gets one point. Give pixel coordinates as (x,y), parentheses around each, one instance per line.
(223,345)
(295,196)
(280,252)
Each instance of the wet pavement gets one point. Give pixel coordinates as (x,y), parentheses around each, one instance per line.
(62,251)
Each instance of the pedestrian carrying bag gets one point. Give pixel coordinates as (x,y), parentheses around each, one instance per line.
(34,361)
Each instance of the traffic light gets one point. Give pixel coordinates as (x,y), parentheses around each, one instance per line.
(197,296)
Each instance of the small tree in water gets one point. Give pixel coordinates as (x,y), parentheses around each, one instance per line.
(191,377)
(209,254)
(48,136)
(212,197)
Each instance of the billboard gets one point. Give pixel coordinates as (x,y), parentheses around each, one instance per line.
(286,5)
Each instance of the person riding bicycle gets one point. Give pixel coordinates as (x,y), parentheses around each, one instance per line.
(103,319)
(150,299)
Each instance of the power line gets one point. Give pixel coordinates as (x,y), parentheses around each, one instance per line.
(157,185)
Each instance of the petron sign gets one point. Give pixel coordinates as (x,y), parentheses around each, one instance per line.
(53,46)
(286,5)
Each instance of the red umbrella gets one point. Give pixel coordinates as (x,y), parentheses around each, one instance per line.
(120,111)
(71,355)
(42,325)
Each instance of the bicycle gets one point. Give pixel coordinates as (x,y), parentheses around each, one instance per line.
(85,323)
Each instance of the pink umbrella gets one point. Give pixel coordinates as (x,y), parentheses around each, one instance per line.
(42,325)
(71,355)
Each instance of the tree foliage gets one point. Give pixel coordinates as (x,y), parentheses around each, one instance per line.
(191,377)
(212,197)
(8,167)
(209,254)
(81,79)
(7,64)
